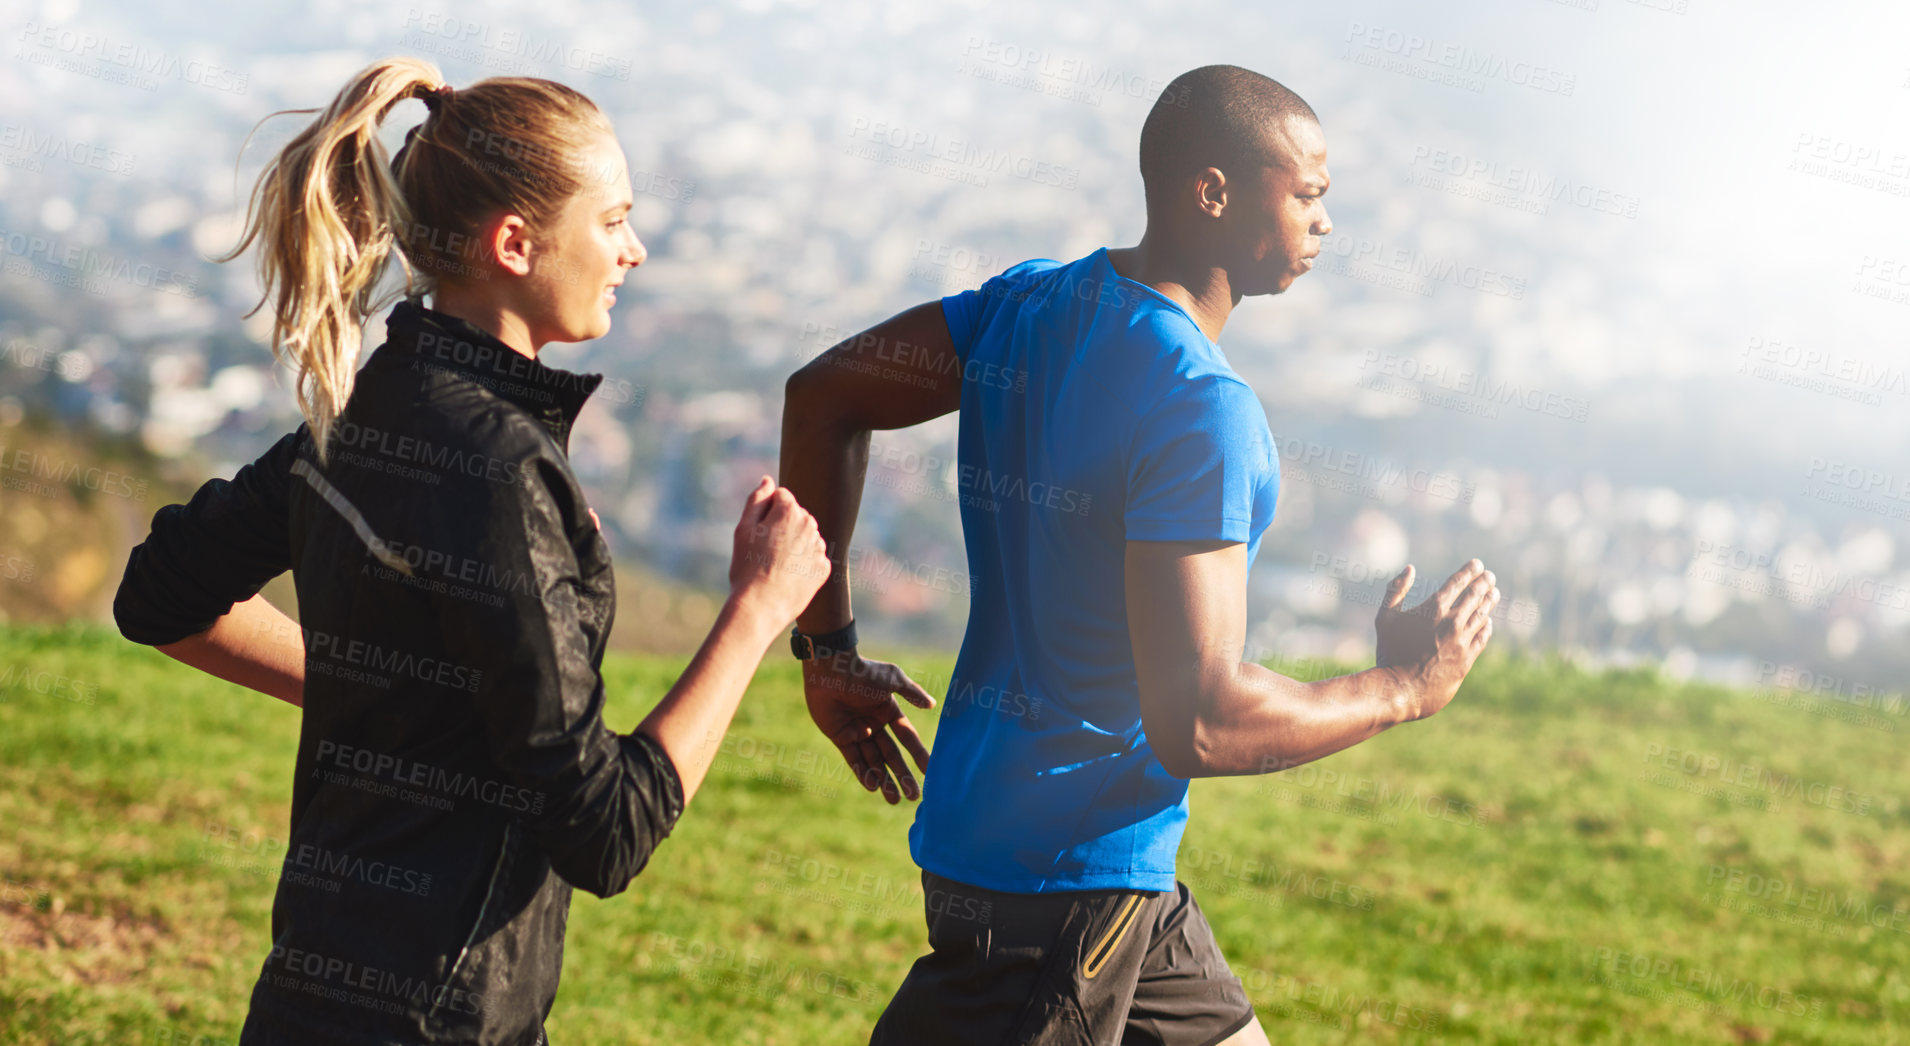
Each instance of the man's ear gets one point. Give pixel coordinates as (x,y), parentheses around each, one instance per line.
(1210,192)
(509,237)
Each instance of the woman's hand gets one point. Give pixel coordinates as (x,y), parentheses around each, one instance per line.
(780,559)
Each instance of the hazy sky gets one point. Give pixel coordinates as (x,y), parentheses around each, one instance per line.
(1734,274)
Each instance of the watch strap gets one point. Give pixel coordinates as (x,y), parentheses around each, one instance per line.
(808,647)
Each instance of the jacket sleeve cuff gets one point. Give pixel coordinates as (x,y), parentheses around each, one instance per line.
(138,619)
(665,801)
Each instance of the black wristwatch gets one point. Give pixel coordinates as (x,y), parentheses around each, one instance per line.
(810,648)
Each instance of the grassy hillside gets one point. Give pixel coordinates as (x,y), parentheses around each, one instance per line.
(1559,857)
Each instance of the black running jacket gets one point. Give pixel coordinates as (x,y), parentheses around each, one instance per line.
(455,779)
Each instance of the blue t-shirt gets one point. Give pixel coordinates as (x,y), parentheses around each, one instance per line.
(1094,412)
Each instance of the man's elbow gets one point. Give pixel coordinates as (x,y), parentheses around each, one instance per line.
(1184,763)
(807,384)
(1199,756)
(1182,749)
(819,409)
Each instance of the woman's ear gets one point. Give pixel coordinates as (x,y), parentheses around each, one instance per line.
(509,236)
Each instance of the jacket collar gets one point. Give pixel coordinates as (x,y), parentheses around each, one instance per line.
(441,341)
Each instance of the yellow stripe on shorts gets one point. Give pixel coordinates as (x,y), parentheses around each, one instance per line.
(1097,956)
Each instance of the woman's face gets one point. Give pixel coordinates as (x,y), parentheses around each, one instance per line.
(580,257)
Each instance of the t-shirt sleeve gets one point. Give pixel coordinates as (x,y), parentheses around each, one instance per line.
(968,312)
(1199,459)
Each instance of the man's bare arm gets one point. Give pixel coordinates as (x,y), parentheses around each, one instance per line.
(254,645)
(901,372)
(1208,714)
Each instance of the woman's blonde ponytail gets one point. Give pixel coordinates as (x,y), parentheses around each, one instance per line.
(326,212)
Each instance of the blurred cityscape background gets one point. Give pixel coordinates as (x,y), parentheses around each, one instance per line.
(1617,298)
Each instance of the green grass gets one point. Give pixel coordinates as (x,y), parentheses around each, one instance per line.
(1522,868)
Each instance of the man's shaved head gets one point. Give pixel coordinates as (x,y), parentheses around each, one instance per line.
(1216,116)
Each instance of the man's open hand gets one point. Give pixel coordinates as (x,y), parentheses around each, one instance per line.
(1435,643)
(852,700)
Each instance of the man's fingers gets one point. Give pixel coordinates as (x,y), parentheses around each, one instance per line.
(1469,600)
(879,771)
(905,733)
(851,735)
(1483,612)
(1479,639)
(1442,599)
(1396,590)
(852,754)
(866,760)
(898,767)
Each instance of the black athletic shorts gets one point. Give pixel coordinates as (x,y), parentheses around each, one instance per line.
(1086,967)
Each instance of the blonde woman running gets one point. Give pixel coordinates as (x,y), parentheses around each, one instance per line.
(455,777)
